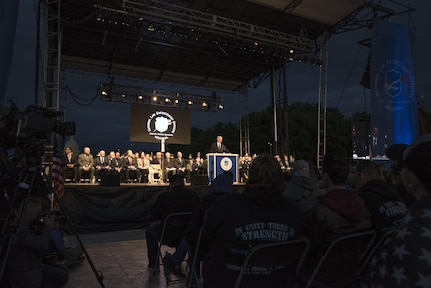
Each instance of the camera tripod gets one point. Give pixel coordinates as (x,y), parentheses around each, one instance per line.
(27,180)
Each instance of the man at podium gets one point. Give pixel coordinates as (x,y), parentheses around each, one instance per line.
(218,146)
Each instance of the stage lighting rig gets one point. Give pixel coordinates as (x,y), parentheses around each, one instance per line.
(158,97)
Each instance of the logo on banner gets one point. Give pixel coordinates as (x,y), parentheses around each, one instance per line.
(394,77)
(161,125)
(226,164)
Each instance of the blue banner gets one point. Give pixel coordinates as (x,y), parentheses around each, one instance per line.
(394,108)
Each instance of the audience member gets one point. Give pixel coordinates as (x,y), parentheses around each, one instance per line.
(237,222)
(176,199)
(86,164)
(380,197)
(301,188)
(338,212)
(405,259)
(24,262)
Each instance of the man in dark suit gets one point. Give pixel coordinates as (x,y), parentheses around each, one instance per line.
(180,164)
(169,166)
(101,163)
(218,146)
(70,165)
(378,144)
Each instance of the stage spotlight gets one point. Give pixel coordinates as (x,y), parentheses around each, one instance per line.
(123,96)
(176,101)
(150,27)
(220,106)
(167,100)
(104,93)
(154,99)
(190,102)
(140,97)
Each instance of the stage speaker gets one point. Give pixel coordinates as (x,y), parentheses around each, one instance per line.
(200,179)
(110,180)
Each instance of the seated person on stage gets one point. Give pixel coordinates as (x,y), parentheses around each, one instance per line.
(180,164)
(70,164)
(176,199)
(189,170)
(130,166)
(101,164)
(338,212)
(24,267)
(143,166)
(158,159)
(169,165)
(238,221)
(197,166)
(117,164)
(86,163)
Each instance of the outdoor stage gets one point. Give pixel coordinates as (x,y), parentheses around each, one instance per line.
(94,208)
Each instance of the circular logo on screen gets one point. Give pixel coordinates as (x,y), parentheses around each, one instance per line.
(161,125)
(226,163)
(392,79)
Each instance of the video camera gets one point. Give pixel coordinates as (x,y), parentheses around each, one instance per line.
(34,123)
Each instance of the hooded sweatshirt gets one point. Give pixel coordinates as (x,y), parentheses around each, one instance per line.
(338,212)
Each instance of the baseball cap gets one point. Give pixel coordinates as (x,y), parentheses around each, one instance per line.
(301,168)
(415,157)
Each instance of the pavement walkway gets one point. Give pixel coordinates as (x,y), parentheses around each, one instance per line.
(121,258)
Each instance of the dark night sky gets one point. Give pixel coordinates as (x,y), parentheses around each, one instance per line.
(100,122)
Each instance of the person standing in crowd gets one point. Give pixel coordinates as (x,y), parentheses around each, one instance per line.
(381,198)
(218,146)
(405,259)
(176,199)
(239,221)
(86,163)
(338,212)
(302,188)
(70,164)
(24,263)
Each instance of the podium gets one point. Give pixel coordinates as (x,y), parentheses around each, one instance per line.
(221,162)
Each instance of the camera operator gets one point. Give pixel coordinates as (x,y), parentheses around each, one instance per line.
(24,263)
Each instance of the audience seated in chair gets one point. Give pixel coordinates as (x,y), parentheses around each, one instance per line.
(237,222)
(381,198)
(405,259)
(338,212)
(176,199)
(24,267)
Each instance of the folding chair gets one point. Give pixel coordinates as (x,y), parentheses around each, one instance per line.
(287,253)
(174,224)
(351,244)
(366,260)
(192,273)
